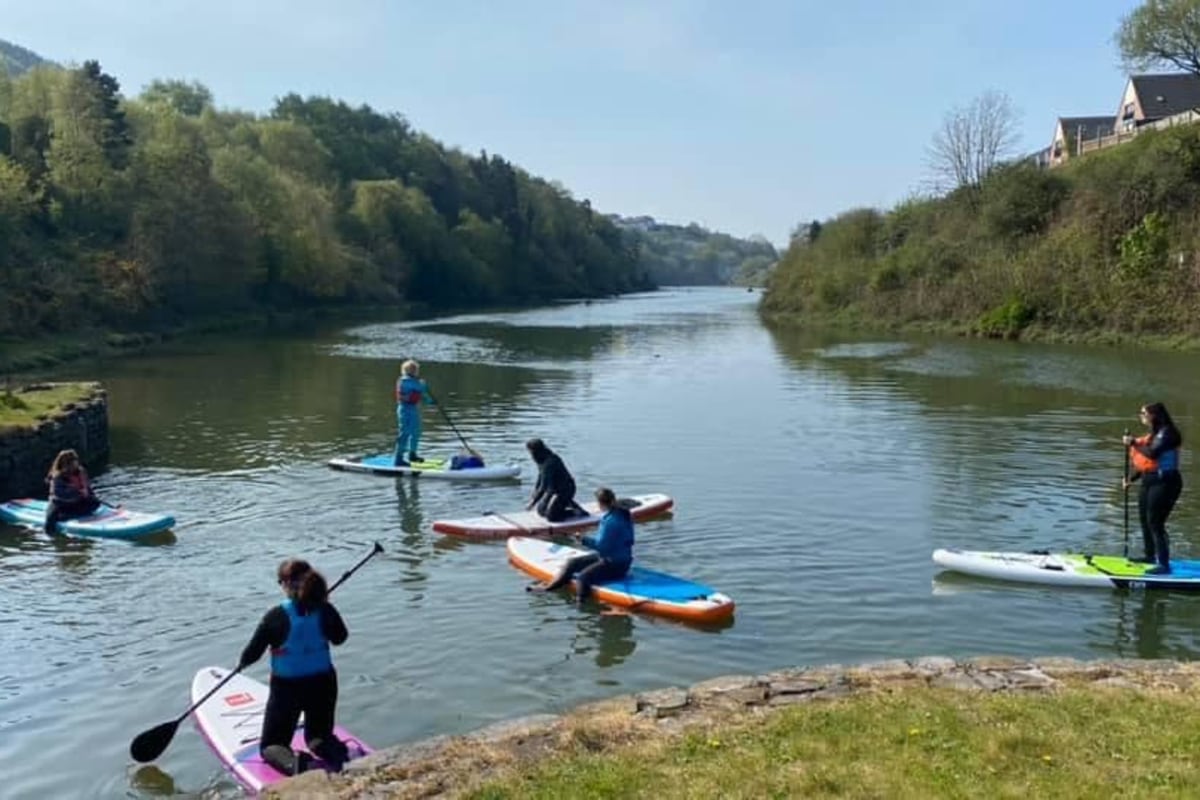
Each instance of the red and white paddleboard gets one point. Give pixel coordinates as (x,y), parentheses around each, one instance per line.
(528,523)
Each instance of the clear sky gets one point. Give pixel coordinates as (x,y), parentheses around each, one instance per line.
(745,115)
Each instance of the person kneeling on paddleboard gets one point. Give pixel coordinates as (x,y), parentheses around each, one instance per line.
(554,492)
(1154,459)
(71,492)
(303,680)
(411,392)
(612,546)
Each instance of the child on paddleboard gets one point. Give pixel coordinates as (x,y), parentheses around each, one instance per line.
(611,556)
(299,631)
(1154,459)
(71,492)
(411,392)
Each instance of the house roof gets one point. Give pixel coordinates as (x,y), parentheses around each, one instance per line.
(1167,94)
(1093,127)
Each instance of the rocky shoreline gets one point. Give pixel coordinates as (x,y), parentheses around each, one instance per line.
(446,766)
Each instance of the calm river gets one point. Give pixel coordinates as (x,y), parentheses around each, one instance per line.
(813,477)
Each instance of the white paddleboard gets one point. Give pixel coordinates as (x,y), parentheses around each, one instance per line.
(231,722)
(1069,569)
(528,523)
(437,469)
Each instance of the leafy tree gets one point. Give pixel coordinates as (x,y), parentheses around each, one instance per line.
(1161,32)
(188,98)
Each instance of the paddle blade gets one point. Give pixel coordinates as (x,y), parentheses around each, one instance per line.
(149,745)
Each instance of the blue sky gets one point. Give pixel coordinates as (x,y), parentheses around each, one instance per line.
(743,116)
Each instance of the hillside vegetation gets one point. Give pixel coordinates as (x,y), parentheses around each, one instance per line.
(1106,244)
(693,255)
(133,213)
(15,59)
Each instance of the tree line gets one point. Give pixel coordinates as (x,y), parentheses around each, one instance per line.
(146,211)
(689,255)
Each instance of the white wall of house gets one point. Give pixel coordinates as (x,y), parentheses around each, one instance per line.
(1129,112)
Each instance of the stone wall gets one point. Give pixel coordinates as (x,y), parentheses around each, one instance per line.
(27,453)
(436,767)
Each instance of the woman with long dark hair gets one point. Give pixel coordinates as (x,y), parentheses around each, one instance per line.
(1154,460)
(299,631)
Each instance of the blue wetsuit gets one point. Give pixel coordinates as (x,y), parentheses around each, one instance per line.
(410,394)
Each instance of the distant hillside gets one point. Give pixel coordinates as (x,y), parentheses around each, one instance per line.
(692,255)
(17,59)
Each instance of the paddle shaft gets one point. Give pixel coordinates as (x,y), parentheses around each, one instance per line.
(1125,488)
(378,548)
(449,421)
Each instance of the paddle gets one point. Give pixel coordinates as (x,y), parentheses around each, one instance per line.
(150,744)
(450,422)
(1125,488)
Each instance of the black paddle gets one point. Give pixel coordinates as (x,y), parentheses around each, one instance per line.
(450,422)
(149,745)
(1125,487)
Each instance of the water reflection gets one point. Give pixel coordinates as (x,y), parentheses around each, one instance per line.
(1155,625)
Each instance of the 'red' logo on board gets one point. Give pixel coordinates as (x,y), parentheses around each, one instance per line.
(239,699)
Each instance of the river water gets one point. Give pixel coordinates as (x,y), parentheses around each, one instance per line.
(813,474)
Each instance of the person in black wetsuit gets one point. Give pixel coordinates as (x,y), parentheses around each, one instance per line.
(1154,459)
(299,631)
(554,492)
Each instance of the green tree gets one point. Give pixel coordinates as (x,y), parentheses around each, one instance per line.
(188,98)
(1161,32)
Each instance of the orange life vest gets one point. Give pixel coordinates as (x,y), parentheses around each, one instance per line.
(1141,462)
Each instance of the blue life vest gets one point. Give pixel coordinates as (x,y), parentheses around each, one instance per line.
(306,651)
(465,462)
(1169,460)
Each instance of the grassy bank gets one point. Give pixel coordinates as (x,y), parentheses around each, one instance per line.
(857,323)
(1106,248)
(916,743)
(26,407)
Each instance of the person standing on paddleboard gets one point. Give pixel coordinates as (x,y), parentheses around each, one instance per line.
(411,392)
(71,492)
(1154,459)
(554,492)
(612,548)
(299,631)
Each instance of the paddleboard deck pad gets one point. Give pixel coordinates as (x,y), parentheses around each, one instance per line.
(231,722)
(640,590)
(105,522)
(529,523)
(384,464)
(1069,569)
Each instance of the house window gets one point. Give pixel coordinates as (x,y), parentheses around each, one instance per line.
(1128,112)
(1057,149)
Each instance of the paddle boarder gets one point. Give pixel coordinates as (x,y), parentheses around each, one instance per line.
(1154,460)
(554,493)
(303,680)
(71,492)
(611,556)
(411,392)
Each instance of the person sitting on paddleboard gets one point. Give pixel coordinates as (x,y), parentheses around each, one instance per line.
(1154,459)
(299,631)
(411,392)
(554,492)
(612,548)
(71,492)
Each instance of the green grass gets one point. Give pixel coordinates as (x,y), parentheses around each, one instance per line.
(21,408)
(914,744)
